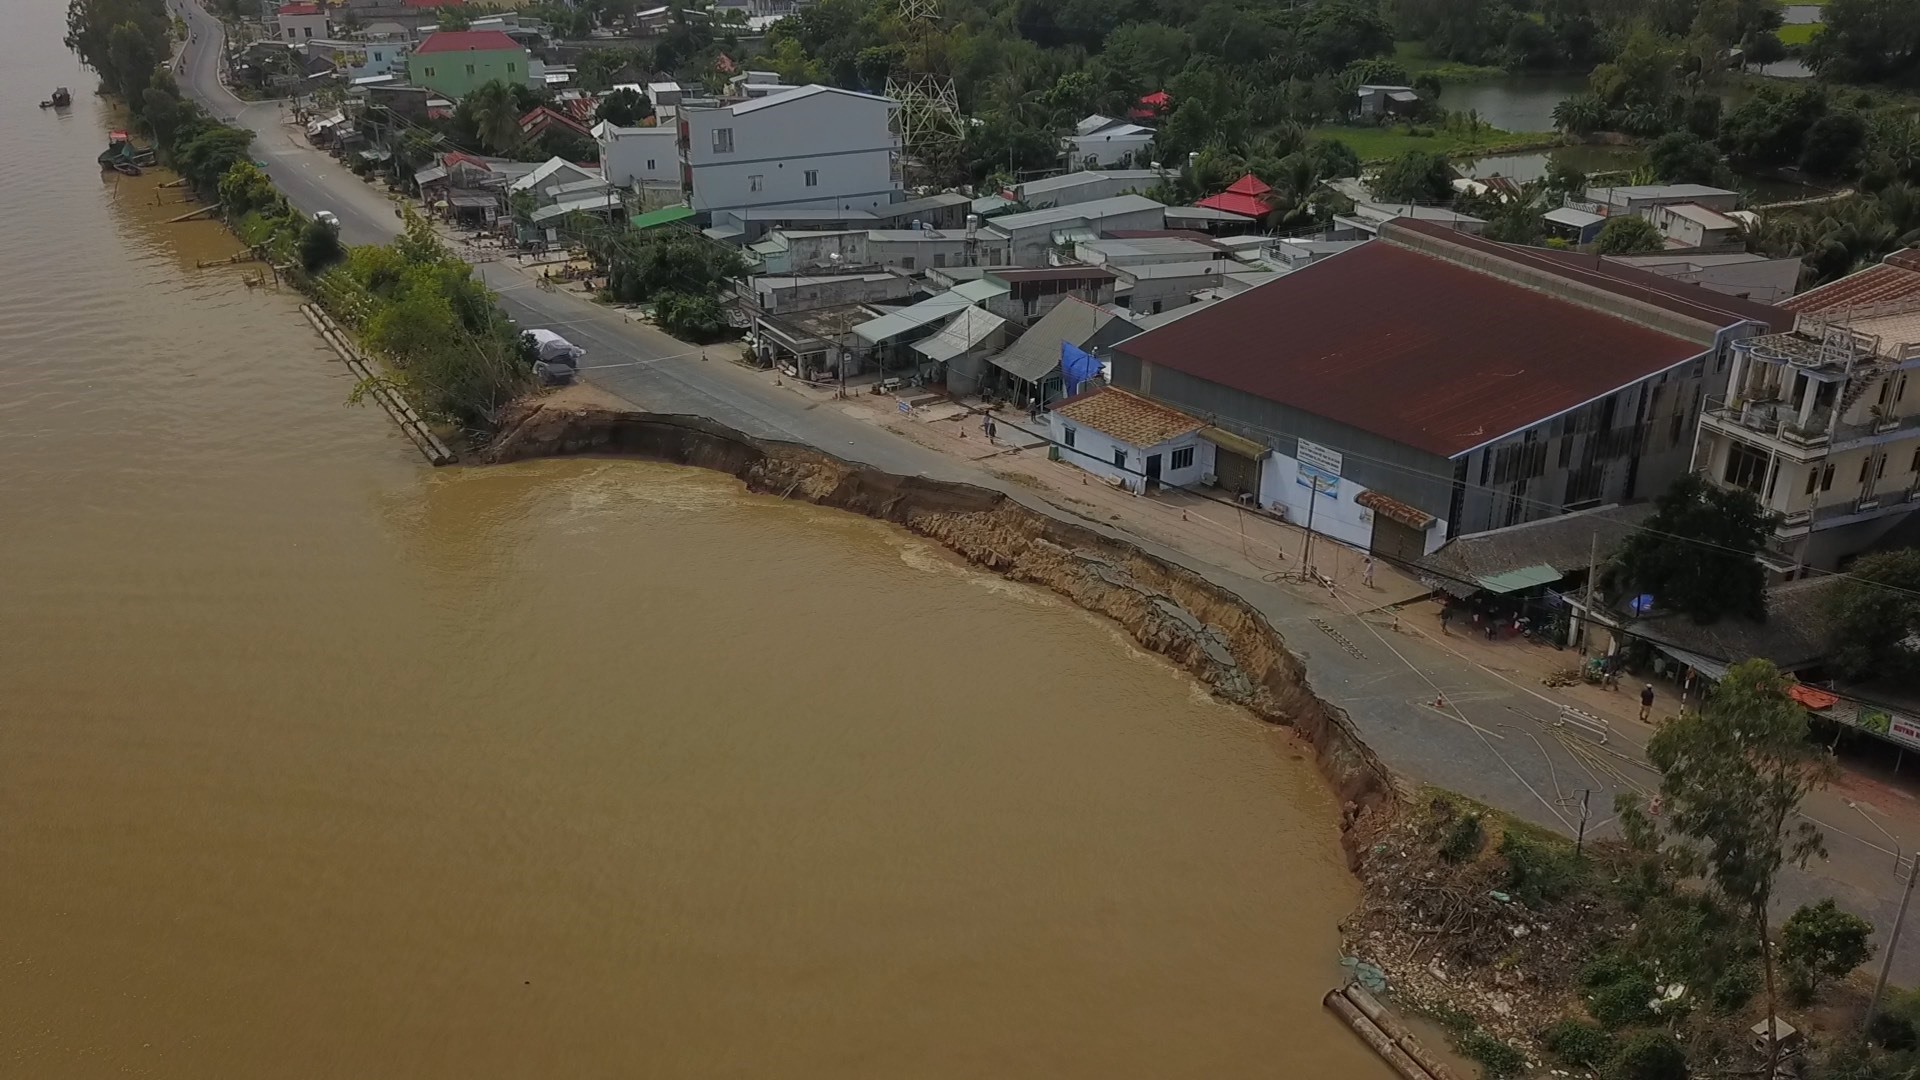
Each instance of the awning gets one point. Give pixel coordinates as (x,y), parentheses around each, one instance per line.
(1526,577)
(1410,516)
(1711,668)
(1812,697)
(968,329)
(473,202)
(1227,440)
(664,216)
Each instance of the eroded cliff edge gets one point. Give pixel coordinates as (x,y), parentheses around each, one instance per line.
(1212,633)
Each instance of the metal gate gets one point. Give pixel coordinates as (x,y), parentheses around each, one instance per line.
(1396,540)
(1236,472)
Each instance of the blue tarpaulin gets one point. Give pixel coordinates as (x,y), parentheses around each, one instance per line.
(1076,366)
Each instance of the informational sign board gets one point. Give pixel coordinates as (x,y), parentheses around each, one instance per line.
(1318,468)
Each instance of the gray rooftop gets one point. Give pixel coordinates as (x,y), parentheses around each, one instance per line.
(1037,352)
(1048,184)
(1086,211)
(1564,543)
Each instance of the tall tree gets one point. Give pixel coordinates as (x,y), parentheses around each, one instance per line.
(624,107)
(494,115)
(1415,177)
(1733,776)
(1875,613)
(1627,235)
(1695,554)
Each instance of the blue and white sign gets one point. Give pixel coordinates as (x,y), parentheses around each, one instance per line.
(1318,468)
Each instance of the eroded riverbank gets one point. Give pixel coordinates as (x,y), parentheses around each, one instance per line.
(1202,627)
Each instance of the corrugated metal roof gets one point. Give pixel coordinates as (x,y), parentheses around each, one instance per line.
(968,329)
(1412,348)
(1704,305)
(1087,211)
(1037,353)
(912,317)
(466,41)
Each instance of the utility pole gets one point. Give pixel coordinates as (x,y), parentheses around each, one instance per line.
(1893,941)
(1580,841)
(1306,546)
(1586,605)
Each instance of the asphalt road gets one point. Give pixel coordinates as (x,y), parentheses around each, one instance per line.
(1493,741)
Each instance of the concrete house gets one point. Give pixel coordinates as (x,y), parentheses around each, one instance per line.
(1086,186)
(1131,441)
(1822,422)
(1500,384)
(1030,367)
(1735,273)
(1032,236)
(816,148)
(1374,100)
(455,62)
(1694,227)
(1640,198)
(1100,142)
(638,156)
(301,22)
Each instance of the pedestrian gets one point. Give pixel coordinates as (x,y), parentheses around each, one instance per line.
(1646,703)
(1446,614)
(1366,572)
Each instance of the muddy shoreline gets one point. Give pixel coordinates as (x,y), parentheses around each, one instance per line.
(1206,629)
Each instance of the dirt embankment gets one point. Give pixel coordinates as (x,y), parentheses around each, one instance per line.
(1207,630)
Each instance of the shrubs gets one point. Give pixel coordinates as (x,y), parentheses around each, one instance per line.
(1618,990)
(1578,1043)
(1649,1055)
(1464,839)
(1538,871)
(320,246)
(1499,1059)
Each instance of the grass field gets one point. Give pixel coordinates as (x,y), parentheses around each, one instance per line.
(1799,35)
(1384,143)
(1412,55)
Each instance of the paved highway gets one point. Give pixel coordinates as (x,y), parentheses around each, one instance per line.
(632,360)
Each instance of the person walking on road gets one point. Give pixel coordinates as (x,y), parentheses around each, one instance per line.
(1646,703)
(1366,572)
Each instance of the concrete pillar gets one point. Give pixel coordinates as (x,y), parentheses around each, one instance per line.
(1807,396)
(1736,385)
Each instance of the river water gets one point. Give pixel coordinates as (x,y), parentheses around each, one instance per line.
(315,761)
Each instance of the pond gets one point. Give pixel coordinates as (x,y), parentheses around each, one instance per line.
(1515,103)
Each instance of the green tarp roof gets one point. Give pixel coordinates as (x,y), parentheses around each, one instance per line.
(661,217)
(1524,578)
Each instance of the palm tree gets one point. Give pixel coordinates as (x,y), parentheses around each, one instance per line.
(1580,114)
(496,116)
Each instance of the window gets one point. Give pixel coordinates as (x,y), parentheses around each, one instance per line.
(723,140)
(1866,463)
(649,164)
(1181,459)
(309,30)
(939,258)
(756,182)
(906,262)
(1067,437)
(1699,366)
(1826,478)
(1813,475)
(1119,458)
(469,69)
(1746,467)
(813,177)
(429,72)
(1879,467)
(512,67)
(1915,466)
(378,56)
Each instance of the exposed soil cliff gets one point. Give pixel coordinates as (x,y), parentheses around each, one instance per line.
(1206,629)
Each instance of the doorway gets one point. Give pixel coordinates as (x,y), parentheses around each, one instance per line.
(1153,472)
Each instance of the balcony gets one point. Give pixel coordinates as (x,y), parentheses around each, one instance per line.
(1777,422)
(1877,430)
(1799,523)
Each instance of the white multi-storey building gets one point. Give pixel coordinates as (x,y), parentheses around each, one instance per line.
(1823,423)
(817,148)
(644,156)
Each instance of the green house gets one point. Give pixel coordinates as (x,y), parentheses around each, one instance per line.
(454,62)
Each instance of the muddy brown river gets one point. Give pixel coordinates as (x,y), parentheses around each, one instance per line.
(317,762)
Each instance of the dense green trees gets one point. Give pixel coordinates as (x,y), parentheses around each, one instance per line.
(1868,41)
(121,40)
(1875,612)
(1627,235)
(1415,177)
(1695,554)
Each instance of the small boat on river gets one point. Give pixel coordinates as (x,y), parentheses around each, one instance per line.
(61,98)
